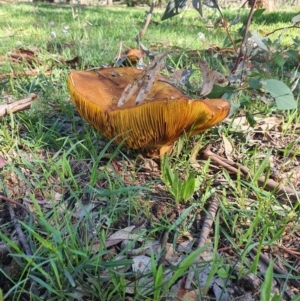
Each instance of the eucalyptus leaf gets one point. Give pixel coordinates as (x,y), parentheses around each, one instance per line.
(258,40)
(211,4)
(198,6)
(258,13)
(218,91)
(254,83)
(173,8)
(281,92)
(296,19)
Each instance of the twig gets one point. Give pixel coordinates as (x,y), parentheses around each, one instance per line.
(6,199)
(21,235)
(17,106)
(119,52)
(276,268)
(22,239)
(147,22)
(207,224)
(240,56)
(291,252)
(209,219)
(282,191)
(225,26)
(277,29)
(144,82)
(143,31)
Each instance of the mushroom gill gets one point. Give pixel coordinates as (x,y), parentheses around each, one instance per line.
(153,124)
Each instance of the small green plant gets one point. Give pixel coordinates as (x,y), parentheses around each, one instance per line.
(181,189)
(266,288)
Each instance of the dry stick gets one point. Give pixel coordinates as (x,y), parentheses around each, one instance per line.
(240,56)
(226,26)
(6,199)
(276,268)
(143,31)
(207,224)
(23,241)
(17,106)
(147,22)
(282,28)
(21,235)
(282,191)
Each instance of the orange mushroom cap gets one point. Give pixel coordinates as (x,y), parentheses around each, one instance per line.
(155,123)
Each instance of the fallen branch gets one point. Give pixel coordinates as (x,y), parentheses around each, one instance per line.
(207,224)
(6,199)
(23,241)
(276,268)
(281,191)
(21,235)
(17,106)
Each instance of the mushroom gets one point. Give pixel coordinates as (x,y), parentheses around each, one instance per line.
(152,125)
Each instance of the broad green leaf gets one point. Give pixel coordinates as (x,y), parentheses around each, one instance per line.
(279,60)
(258,13)
(211,4)
(258,40)
(293,54)
(281,92)
(218,91)
(266,287)
(254,83)
(188,187)
(234,107)
(173,8)
(296,19)
(250,119)
(222,273)
(198,6)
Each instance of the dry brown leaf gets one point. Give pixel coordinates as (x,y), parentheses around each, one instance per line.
(239,123)
(266,124)
(144,82)
(227,146)
(208,78)
(218,77)
(193,295)
(123,234)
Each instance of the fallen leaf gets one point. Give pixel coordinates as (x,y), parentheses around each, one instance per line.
(266,124)
(227,146)
(123,234)
(208,78)
(141,264)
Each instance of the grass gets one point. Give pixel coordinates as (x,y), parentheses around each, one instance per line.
(81,188)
